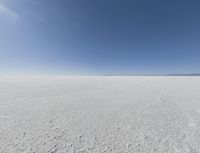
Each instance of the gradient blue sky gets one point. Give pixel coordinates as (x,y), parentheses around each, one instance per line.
(60,37)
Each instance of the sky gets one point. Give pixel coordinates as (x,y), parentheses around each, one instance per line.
(99,37)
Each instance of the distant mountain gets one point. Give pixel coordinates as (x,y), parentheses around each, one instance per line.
(189,74)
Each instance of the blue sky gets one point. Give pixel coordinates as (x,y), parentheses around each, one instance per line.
(75,37)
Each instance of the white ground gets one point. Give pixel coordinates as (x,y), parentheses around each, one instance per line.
(100,115)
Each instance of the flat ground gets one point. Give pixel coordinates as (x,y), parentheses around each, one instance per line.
(100,114)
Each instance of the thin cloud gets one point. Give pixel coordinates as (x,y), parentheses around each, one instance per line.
(8,14)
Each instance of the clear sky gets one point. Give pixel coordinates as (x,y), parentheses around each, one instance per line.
(60,37)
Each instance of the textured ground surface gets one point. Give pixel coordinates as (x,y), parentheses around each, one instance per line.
(100,115)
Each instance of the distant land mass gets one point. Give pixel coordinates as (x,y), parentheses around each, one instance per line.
(173,74)
(179,74)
